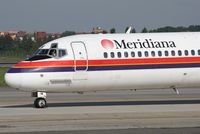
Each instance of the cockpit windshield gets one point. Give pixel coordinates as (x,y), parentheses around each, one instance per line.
(42,52)
(47,52)
(53,52)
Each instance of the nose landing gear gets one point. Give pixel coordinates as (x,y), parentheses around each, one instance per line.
(40,101)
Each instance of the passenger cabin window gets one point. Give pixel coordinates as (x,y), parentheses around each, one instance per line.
(119,54)
(192,52)
(139,54)
(153,54)
(126,54)
(159,53)
(105,55)
(146,54)
(132,54)
(199,52)
(186,52)
(179,53)
(173,53)
(166,53)
(112,55)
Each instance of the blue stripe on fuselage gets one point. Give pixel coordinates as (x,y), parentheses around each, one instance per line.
(104,68)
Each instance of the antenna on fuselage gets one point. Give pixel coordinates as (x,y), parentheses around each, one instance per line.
(129,30)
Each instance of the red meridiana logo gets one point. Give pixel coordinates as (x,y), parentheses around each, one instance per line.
(137,44)
(107,44)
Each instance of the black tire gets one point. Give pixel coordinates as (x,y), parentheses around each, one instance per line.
(40,103)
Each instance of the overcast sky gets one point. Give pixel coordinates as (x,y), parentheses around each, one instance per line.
(83,15)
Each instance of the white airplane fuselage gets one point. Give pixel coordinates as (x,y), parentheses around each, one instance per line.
(111,62)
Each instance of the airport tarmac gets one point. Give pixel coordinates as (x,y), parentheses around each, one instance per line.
(122,112)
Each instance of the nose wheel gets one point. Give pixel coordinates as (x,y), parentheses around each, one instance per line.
(40,101)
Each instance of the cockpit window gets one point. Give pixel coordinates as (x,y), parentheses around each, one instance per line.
(53,52)
(62,53)
(42,52)
(54,45)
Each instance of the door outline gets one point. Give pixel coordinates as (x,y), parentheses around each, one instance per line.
(75,60)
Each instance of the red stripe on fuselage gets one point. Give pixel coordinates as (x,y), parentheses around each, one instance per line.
(45,63)
(108,62)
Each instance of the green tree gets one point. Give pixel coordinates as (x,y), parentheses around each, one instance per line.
(105,32)
(194,28)
(133,30)
(6,42)
(144,30)
(68,33)
(191,28)
(112,30)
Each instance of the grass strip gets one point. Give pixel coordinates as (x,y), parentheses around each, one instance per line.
(3,70)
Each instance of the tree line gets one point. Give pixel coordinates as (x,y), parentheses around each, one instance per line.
(27,46)
(191,28)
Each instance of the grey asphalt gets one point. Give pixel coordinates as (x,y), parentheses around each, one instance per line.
(6,64)
(117,112)
(126,131)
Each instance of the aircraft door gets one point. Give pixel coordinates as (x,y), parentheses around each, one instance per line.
(80,56)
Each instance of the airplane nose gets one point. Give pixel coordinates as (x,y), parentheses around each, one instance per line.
(13,80)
